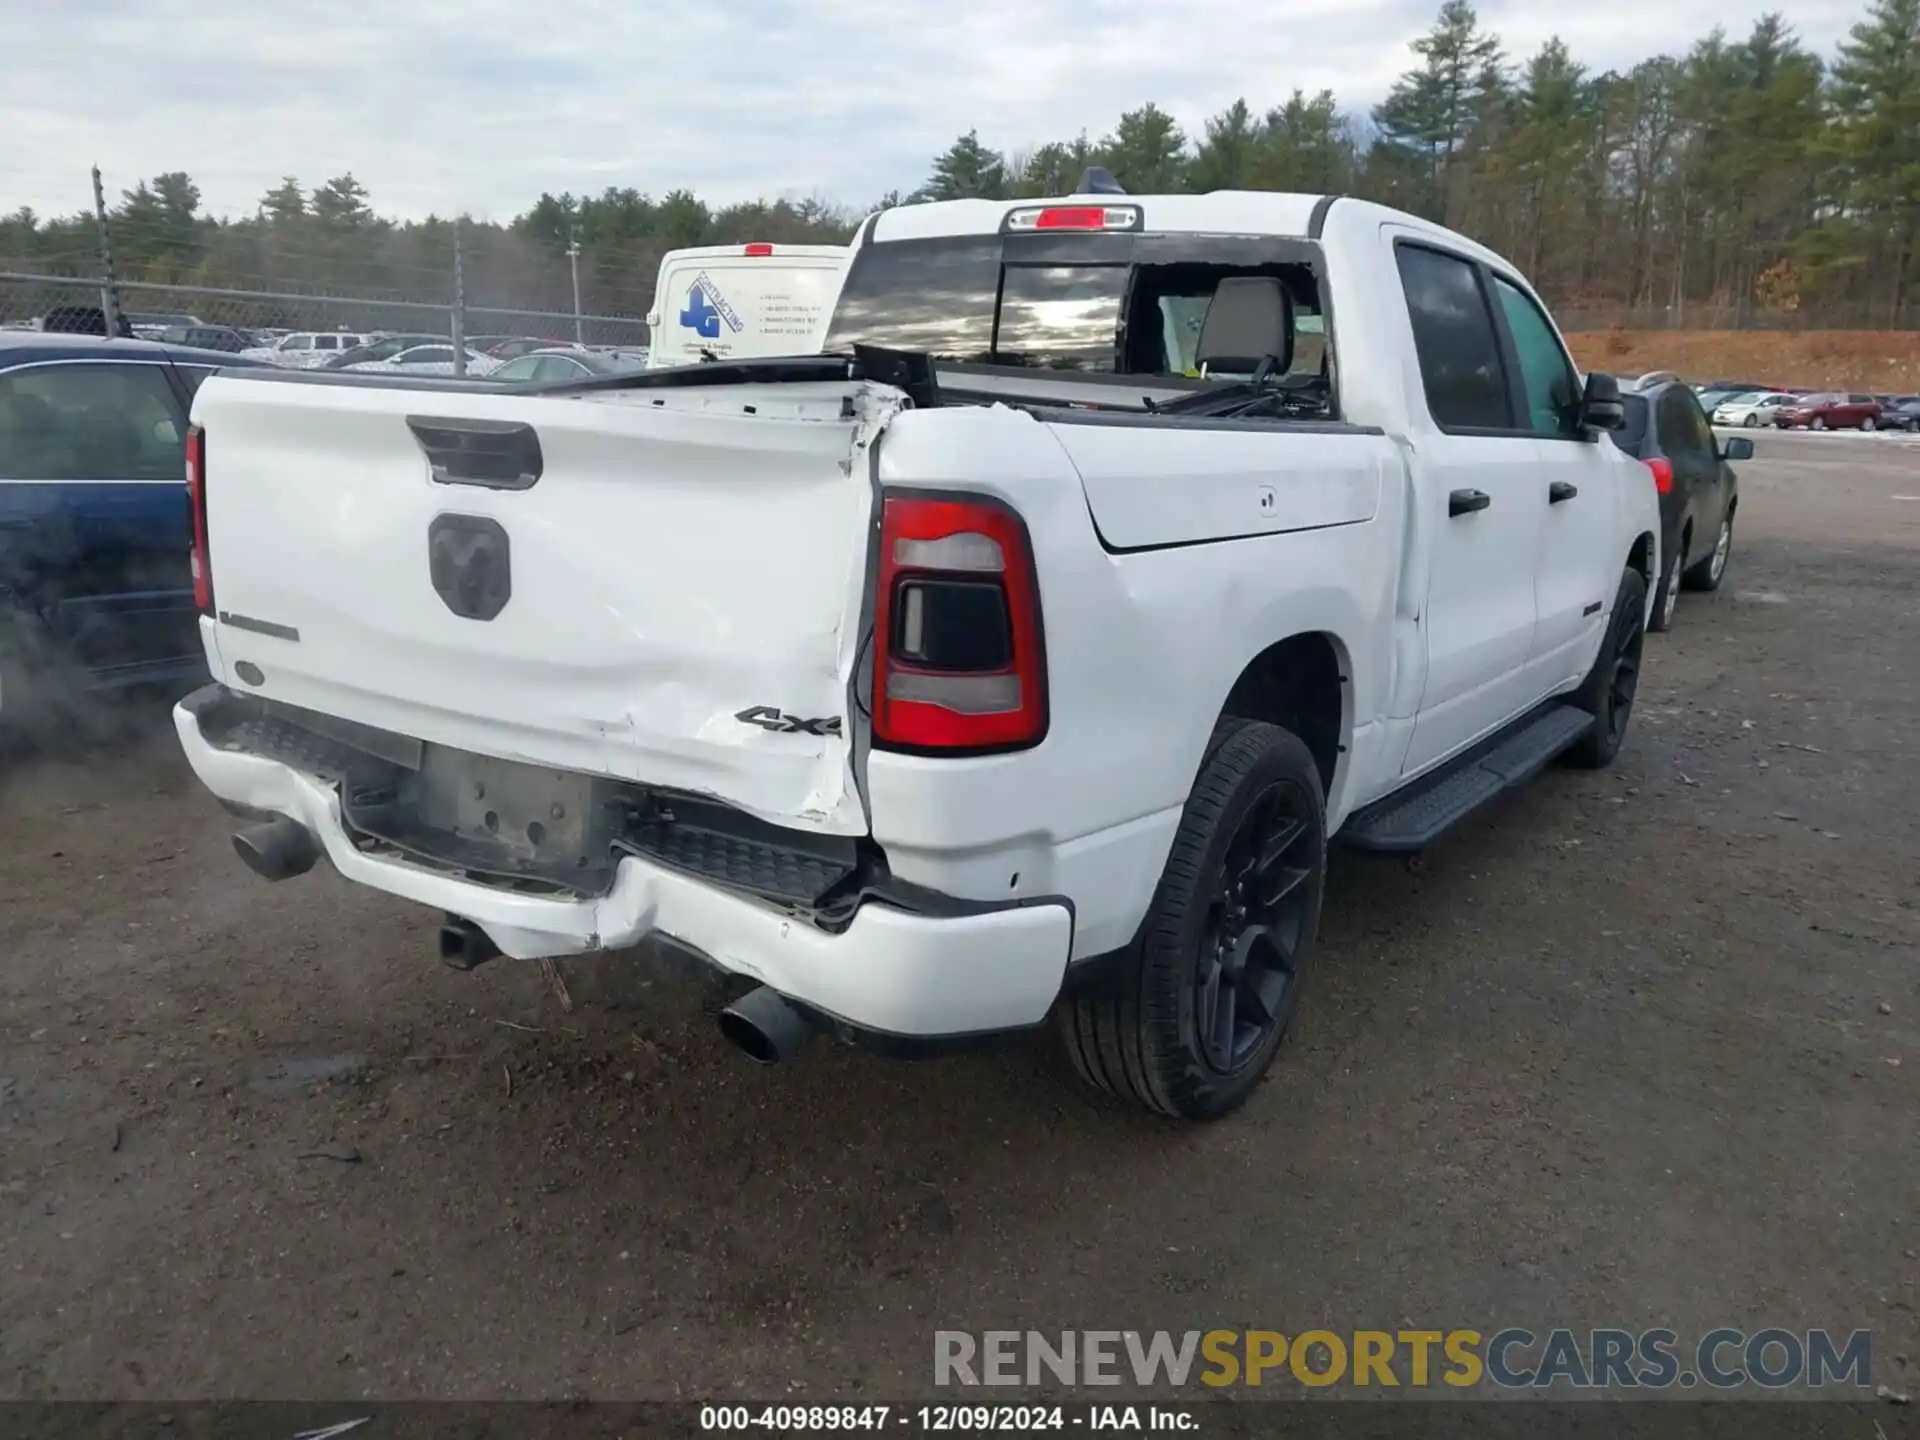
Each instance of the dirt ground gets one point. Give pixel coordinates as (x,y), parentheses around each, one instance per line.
(1878,362)
(1638,1048)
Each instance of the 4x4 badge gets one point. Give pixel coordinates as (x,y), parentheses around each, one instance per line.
(768,718)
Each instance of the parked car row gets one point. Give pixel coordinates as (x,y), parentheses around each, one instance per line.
(409,352)
(1752,406)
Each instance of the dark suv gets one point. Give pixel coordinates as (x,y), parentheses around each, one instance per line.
(1667,430)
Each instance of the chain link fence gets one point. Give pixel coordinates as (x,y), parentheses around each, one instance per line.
(31,301)
(235,283)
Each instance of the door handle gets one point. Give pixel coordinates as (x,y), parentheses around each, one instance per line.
(1465,502)
(1561,490)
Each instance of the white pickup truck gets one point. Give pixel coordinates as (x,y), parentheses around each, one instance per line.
(1019,657)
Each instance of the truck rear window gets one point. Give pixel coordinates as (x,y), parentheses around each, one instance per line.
(972,300)
(935,296)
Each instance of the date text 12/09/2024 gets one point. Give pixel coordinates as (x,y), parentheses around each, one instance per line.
(938,1419)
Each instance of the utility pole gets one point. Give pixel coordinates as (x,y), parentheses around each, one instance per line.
(459,302)
(573,255)
(109,291)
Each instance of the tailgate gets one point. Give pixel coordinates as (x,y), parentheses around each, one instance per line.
(669,590)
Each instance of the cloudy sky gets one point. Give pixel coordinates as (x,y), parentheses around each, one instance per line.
(479,105)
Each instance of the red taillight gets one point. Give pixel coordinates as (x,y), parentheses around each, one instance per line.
(1071,217)
(1074,217)
(197,502)
(759,247)
(958,663)
(1662,475)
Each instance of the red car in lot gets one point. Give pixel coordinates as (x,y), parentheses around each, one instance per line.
(1830,412)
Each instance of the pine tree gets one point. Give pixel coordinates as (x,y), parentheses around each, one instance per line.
(1305,146)
(1147,152)
(1051,169)
(1226,157)
(968,170)
(156,227)
(1429,113)
(682,219)
(342,202)
(1876,99)
(285,204)
(1541,158)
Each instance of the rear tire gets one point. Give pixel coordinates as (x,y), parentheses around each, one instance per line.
(1866,424)
(1711,569)
(1190,1020)
(1669,597)
(1608,691)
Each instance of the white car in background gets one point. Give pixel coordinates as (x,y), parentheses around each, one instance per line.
(428,360)
(306,349)
(562,363)
(1751,410)
(642,355)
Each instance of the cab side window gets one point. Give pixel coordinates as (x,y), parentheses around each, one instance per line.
(1454,336)
(1546,374)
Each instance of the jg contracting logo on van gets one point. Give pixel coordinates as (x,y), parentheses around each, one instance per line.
(1406,1359)
(707,307)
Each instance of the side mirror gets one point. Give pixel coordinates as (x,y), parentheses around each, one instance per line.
(1737,447)
(1600,406)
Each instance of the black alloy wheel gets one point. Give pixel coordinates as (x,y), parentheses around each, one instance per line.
(1189,1017)
(1629,639)
(1244,985)
(1608,691)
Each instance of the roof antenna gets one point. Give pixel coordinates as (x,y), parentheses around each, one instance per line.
(1098,180)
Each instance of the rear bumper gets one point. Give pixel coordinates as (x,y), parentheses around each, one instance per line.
(889,971)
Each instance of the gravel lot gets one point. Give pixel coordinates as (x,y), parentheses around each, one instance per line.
(1639,1048)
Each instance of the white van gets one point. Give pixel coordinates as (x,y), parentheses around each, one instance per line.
(734,302)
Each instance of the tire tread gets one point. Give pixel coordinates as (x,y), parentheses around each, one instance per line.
(1123,1038)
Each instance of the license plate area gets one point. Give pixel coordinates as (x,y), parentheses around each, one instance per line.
(540,830)
(498,820)
(541,817)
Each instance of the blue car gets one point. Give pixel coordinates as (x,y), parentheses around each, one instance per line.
(96,590)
